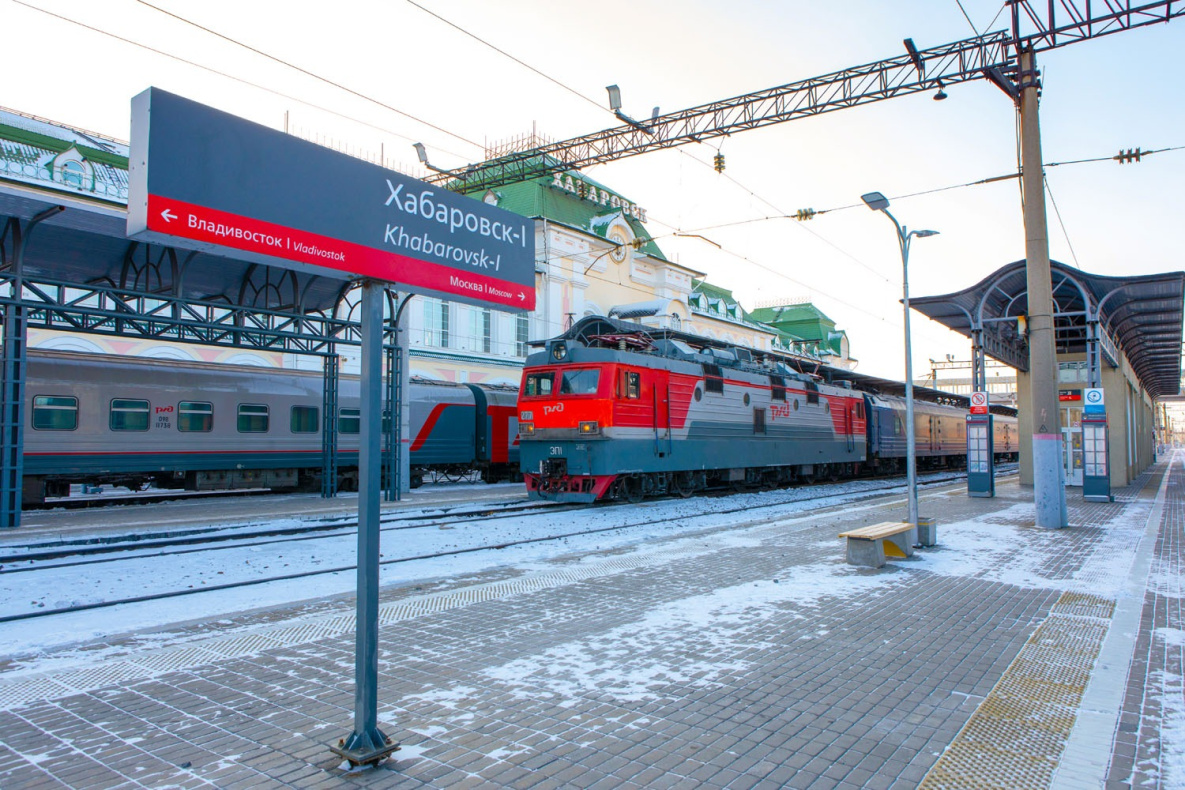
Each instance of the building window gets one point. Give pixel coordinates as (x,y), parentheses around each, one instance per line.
(55,413)
(129,415)
(304,419)
(522,332)
(195,416)
(480,321)
(253,418)
(436,323)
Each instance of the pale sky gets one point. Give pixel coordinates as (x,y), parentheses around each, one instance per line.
(1100,96)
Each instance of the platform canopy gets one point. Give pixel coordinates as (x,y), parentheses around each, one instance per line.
(1137,316)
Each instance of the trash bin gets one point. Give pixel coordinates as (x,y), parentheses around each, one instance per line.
(927,531)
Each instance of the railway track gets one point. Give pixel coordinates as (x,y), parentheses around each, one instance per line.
(41,552)
(825,492)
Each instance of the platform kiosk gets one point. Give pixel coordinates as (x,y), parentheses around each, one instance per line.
(981,461)
(1096,472)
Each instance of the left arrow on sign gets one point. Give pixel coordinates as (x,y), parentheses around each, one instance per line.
(168,215)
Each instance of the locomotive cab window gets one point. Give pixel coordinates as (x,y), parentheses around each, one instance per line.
(195,416)
(129,415)
(304,419)
(349,420)
(582,381)
(539,384)
(253,418)
(55,413)
(630,385)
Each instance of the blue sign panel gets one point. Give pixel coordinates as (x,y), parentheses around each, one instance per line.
(204,179)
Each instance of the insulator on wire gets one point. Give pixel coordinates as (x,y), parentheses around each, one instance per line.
(803,214)
(1130,155)
(718,162)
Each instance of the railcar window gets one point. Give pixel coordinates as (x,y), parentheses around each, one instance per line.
(304,419)
(777,388)
(55,413)
(349,420)
(129,415)
(580,382)
(253,418)
(540,383)
(195,416)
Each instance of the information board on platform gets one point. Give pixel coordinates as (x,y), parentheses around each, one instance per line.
(206,180)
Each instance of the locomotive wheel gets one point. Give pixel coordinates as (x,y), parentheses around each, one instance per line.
(631,489)
(683,484)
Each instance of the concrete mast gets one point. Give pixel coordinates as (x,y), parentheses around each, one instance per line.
(1049,490)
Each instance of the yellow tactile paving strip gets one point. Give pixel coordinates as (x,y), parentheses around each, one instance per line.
(1014,739)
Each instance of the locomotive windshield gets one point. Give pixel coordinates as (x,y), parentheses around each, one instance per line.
(580,382)
(539,383)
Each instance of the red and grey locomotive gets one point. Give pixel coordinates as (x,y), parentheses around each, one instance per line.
(611,409)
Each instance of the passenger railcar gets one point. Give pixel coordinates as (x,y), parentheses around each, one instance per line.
(95,419)
(940,434)
(608,411)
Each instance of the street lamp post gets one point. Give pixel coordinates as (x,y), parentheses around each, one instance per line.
(878,202)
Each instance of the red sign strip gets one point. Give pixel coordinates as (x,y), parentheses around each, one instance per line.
(178,218)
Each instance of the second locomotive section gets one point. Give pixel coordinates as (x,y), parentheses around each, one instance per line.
(607,410)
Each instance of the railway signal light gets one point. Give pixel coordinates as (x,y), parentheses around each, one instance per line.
(718,162)
(803,214)
(1130,155)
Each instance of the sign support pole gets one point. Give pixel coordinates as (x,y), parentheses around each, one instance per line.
(368,745)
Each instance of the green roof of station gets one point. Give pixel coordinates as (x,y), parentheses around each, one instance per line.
(574,200)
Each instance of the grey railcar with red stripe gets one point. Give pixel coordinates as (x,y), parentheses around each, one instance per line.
(96,419)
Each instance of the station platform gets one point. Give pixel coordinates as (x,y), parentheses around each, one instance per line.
(1007,656)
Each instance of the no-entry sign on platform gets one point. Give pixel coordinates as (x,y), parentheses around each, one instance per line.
(204,179)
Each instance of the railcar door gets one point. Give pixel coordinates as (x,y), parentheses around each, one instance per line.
(848,429)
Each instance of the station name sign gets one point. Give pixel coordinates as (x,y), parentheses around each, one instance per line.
(206,180)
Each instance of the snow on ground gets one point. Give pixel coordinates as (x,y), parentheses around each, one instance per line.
(142,574)
(992,549)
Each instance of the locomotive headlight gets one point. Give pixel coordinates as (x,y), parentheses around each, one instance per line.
(559,351)
(590,426)
(526,428)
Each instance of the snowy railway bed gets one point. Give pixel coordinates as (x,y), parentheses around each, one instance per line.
(150,590)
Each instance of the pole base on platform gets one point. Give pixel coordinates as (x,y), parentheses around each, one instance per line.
(365,749)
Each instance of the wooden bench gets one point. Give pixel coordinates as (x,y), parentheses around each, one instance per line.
(870,545)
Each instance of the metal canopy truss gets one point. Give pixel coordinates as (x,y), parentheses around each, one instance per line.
(1096,315)
(991,56)
(106,310)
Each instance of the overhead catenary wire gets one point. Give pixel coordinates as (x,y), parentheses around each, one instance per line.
(312,74)
(212,70)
